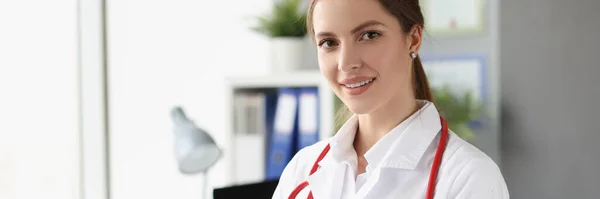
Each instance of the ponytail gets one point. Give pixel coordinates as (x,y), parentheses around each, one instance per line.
(420,83)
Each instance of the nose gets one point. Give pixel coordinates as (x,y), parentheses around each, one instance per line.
(349,59)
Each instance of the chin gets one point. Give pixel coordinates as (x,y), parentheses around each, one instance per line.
(362,104)
(359,108)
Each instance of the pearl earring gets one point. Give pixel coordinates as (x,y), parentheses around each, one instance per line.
(413,55)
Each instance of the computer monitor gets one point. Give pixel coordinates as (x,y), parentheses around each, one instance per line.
(259,190)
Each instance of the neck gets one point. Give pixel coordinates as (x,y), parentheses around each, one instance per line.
(373,126)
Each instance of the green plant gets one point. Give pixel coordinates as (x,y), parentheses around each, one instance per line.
(286,19)
(459,111)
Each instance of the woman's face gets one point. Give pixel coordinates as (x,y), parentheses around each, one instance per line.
(363,53)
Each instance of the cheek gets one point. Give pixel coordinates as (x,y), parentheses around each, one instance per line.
(328,66)
(327,62)
(386,59)
(392,66)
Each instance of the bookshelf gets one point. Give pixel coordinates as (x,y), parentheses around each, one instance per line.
(236,85)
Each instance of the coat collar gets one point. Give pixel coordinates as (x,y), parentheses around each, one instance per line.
(403,147)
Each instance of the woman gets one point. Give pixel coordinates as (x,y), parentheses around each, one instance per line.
(395,145)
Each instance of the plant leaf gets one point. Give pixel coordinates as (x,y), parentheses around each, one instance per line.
(285,20)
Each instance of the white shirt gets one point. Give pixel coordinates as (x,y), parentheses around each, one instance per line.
(398,165)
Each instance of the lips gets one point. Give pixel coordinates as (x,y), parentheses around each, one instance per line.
(354,80)
(357,85)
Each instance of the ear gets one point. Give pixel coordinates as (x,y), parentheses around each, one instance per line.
(414,38)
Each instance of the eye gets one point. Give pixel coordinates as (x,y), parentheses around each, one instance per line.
(327,43)
(369,35)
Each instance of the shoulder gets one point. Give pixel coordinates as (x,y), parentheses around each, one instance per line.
(298,169)
(461,152)
(474,173)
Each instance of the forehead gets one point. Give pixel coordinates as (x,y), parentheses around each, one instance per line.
(343,15)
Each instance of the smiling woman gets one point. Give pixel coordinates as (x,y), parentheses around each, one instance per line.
(394,145)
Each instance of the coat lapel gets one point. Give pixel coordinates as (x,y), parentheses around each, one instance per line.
(327,182)
(366,190)
(402,157)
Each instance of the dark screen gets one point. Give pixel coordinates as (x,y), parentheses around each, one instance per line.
(261,190)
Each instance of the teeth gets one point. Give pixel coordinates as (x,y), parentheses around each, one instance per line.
(359,84)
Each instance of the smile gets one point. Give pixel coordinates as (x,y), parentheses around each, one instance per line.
(357,88)
(359,84)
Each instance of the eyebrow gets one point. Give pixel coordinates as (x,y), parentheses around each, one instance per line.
(354,30)
(366,24)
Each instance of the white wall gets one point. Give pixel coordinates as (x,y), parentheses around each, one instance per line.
(38,100)
(167,53)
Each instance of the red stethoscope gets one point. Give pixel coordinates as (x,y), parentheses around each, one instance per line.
(432,175)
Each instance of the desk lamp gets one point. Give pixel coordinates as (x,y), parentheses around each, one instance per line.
(195,149)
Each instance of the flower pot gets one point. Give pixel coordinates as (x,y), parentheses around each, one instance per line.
(287,54)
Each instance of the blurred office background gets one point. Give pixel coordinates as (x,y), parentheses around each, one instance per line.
(87,88)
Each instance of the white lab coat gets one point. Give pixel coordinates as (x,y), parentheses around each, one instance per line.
(399,165)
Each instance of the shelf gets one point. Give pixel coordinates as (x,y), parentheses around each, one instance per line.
(296,79)
(268,83)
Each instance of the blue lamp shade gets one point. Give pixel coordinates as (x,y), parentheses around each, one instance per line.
(195,150)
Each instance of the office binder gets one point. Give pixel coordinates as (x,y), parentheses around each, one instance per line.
(281,139)
(308,117)
(249,140)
